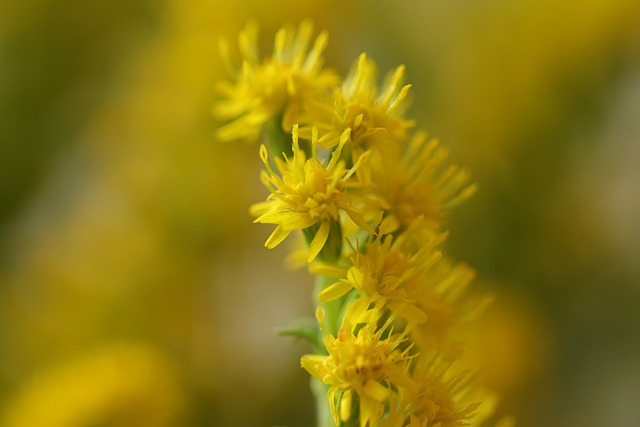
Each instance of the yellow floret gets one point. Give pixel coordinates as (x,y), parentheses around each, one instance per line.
(308,193)
(273,88)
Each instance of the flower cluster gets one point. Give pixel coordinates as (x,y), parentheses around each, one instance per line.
(371,194)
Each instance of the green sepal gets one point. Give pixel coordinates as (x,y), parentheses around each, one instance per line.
(279,142)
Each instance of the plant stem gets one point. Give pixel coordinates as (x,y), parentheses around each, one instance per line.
(323,411)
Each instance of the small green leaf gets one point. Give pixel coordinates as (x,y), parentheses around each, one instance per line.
(304,328)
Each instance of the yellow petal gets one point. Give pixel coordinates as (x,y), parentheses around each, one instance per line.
(261,208)
(289,219)
(334,291)
(399,377)
(375,390)
(358,219)
(327,270)
(345,405)
(311,363)
(331,395)
(278,235)
(318,241)
(389,225)
(408,311)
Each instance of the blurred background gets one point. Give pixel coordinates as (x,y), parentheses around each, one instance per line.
(135,291)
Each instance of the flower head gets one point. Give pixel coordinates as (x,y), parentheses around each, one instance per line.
(419,188)
(274,87)
(445,395)
(423,288)
(120,381)
(387,275)
(308,193)
(372,114)
(448,305)
(363,360)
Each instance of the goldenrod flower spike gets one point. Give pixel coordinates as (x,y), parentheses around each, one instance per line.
(390,304)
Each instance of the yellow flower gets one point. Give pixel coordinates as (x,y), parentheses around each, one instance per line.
(121,385)
(445,396)
(274,87)
(352,171)
(361,362)
(388,276)
(309,194)
(422,287)
(371,113)
(419,188)
(447,303)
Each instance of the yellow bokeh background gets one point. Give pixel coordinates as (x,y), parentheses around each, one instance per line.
(135,290)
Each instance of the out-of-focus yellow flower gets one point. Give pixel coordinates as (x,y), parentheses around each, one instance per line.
(274,87)
(308,194)
(126,385)
(361,362)
(448,304)
(386,275)
(512,342)
(445,396)
(372,114)
(419,187)
(421,287)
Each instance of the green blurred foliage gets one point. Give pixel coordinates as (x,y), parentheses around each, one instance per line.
(124,224)
(58,62)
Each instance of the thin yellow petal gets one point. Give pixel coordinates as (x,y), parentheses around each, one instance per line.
(278,235)
(318,241)
(389,225)
(508,421)
(287,219)
(345,405)
(408,311)
(311,363)
(261,208)
(331,395)
(375,390)
(334,291)
(358,219)
(327,270)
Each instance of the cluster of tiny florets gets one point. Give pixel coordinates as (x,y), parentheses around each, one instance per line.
(371,195)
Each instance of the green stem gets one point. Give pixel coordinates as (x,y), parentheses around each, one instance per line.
(278,141)
(333,313)
(323,411)
(332,309)
(279,144)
